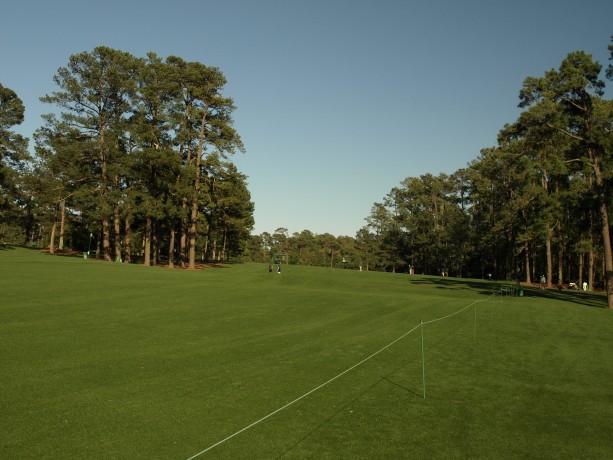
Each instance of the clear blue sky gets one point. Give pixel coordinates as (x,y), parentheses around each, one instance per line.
(338,101)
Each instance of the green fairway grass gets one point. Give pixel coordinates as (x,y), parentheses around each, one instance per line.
(107,360)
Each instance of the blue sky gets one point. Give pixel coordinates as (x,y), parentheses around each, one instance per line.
(338,101)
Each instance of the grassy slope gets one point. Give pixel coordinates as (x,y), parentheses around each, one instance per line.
(105,360)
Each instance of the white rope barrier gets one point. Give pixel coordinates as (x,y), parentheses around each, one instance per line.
(329,381)
(450,315)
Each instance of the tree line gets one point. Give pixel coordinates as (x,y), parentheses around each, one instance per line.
(536,204)
(134,158)
(138,159)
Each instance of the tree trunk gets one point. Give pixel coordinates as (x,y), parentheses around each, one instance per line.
(106,244)
(590,276)
(62,222)
(604,220)
(128,237)
(117,233)
(549,262)
(533,255)
(592,254)
(188,159)
(106,239)
(560,263)
(207,239)
(581,266)
(99,250)
(147,242)
(52,238)
(608,255)
(224,255)
(184,215)
(183,241)
(194,210)
(154,243)
(171,248)
(192,234)
(527,262)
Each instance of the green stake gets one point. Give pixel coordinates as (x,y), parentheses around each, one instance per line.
(423,358)
(475,328)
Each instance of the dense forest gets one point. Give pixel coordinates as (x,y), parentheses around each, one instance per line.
(134,165)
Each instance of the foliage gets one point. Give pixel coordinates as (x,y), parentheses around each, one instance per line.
(535,204)
(13,155)
(135,162)
(138,157)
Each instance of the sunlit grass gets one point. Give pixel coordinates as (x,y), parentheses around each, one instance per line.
(104,360)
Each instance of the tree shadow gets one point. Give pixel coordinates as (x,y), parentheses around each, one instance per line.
(486,287)
(14,246)
(402,387)
(588,298)
(327,419)
(483,287)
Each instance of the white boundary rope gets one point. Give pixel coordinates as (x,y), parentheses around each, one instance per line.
(450,315)
(329,381)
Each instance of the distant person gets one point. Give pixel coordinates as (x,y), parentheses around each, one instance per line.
(585,285)
(279,269)
(543,282)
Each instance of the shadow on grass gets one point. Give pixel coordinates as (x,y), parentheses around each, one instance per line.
(384,378)
(590,299)
(14,246)
(402,387)
(481,286)
(134,259)
(58,252)
(485,287)
(342,408)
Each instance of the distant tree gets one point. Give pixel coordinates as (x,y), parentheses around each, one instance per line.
(569,101)
(350,254)
(378,224)
(152,134)
(58,179)
(329,247)
(13,156)
(304,248)
(366,246)
(423,207)
(94,95)
(230,212)
(153,166)
(204,125)
(280,243)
